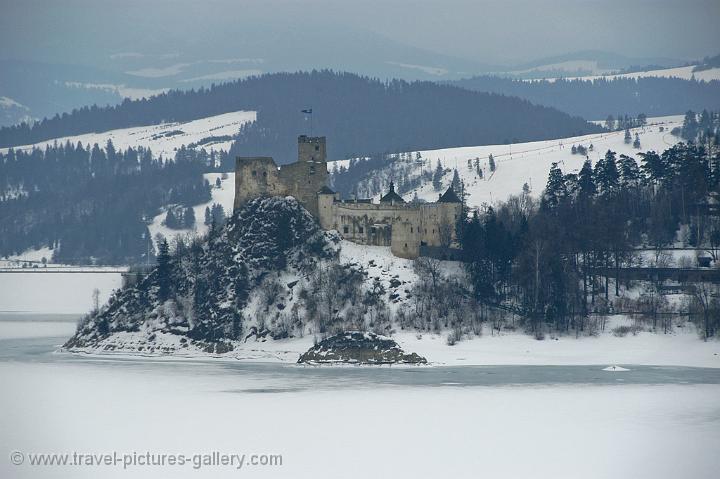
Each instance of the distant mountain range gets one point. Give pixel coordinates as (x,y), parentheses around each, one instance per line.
(359,114)
(42,88)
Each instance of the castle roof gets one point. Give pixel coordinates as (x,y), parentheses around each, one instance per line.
(326,191)
(391,196)
(449,197)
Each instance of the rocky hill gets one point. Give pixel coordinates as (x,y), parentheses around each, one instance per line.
(205,294)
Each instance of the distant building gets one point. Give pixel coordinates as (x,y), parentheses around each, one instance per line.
(405,227)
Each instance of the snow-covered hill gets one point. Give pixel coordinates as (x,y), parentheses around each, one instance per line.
(685,73)
(521,163)
(211,133)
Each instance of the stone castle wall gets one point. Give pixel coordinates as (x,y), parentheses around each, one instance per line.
(260,176)
(402,226)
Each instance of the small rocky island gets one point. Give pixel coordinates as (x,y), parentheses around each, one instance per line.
(356,347)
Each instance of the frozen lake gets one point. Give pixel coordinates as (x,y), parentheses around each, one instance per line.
(459,421)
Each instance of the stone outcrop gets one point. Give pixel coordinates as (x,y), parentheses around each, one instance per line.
(357,347)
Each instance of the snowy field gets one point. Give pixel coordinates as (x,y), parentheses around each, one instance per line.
(166,138)
(530,162)
(316,418)
(686,73)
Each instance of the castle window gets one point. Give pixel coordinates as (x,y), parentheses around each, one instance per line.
(264,174)
(360,230)
(312,169)
(346,230)
(317,147)
(411,229)
(372,230)
(405,245)
(254,173)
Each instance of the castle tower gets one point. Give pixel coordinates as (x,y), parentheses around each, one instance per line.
(311,148)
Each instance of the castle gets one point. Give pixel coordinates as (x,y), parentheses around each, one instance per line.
(405,227)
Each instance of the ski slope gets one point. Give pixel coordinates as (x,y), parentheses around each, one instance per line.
(166,138)
(523,162)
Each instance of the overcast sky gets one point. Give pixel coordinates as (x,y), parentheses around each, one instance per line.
(504,32)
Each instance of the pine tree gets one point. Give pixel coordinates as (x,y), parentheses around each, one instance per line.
(630,175)
(189,218)
(586,182)
(163,270)
(208,216)
(573,150)
(171,220)
(636,143)
(455,181)
(628,137)
(491,162)
(555,189)
(606,173)
(437,177)
(690,126)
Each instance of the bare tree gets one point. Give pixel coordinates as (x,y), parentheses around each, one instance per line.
(705,296)
(428,268)
(96,300)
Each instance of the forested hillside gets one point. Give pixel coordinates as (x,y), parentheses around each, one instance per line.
(357,114)
(597,99)
(91,204)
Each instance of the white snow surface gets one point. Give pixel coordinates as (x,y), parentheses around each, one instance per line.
(351,430)
(153,136)
(529,162)
(682,347)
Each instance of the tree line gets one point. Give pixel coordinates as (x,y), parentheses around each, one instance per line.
(556,260)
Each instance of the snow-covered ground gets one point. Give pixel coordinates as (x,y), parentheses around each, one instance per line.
(166,138)
(682,347)
(530,162)
(224,195)
(685,73)
(382,423)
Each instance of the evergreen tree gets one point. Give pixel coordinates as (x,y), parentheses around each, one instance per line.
(208,216)
(456,181)
(491,162)
(171,221)
(636,143)
(163,270)
(555,190)
(586,182)
(606,173)
(690,126)
(630,175)
(628,137)
(189,218)
(437,177)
